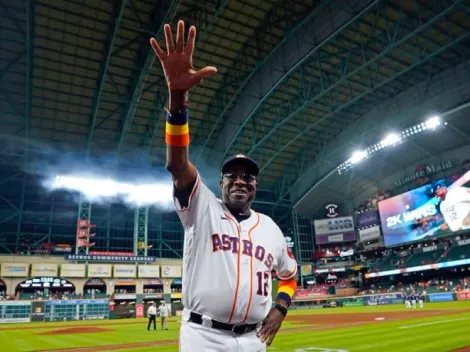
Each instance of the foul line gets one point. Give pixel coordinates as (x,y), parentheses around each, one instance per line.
(432,323)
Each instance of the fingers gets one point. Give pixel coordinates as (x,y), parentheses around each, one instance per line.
(191,41)
(158,51)
(204,72)
(180,37)
(170,47)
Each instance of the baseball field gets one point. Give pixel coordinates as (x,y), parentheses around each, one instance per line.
(438,327)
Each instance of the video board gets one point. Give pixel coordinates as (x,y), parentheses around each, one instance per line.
(430,211)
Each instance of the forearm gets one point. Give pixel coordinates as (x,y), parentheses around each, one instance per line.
(177,140)
(286,292)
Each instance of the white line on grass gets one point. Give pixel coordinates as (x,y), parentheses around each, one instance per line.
(432,323)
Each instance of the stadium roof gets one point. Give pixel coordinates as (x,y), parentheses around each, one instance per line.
(294,76)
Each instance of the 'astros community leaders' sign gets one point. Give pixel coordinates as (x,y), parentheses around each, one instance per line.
(109,258)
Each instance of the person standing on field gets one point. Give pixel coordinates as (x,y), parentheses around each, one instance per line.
(152,315)
(229,249)
(164,310)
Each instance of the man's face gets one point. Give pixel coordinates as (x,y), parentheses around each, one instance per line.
(238,186)
(441,193)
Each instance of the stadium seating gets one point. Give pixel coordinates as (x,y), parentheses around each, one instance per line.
(389,262)
(424,258)
(456,253)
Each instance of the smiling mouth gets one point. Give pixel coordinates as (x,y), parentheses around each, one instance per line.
(239,191)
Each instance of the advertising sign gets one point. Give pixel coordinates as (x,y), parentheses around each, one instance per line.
(124,271)
(38,309)
(356,303)
(139,310)
(171,271)
(72,270)
(367,219)
(434,210)
(99,270)
(46,282)
(149,271)
(383,299)
(334,230)
(463,296)
(44,270)
(15,270)
(109,258)
(441,297)
(369,234)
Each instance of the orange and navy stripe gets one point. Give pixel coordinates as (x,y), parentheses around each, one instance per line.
(251,269)
(177,130)
(286,290)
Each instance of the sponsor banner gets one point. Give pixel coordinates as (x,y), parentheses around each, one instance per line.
(72,270)
(369,234)
(124,271)
(139,310)
(429,248)
(463,296)
(62,249)
(306,270)
(44,270)
(121,254)
(171,271)
(367,219)
(14,320)
(343,237)
(347,253)
(383,299)
(441,297)
(153,296)
(77,302)
(329,270)
(423,172)
(99,270)
(426,212)
(149,271)
(15,270)
(334,226)
(38,310)
(357,303)
(109,258)
(125,296)
(461,242)
(95,282)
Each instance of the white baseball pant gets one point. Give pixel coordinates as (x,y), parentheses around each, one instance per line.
(421,303)
(413,302)
(199,338)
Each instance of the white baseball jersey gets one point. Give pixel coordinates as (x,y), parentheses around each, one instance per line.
(456,208)
(164,311)
(227,265)
(152,310)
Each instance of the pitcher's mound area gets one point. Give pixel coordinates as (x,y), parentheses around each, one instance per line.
(463,349)
(75,330)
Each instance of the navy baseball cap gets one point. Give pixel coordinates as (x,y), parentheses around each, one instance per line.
(241,159)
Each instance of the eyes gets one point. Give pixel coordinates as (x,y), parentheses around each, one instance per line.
(245,177)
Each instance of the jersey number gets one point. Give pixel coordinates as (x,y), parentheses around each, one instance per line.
(263,283)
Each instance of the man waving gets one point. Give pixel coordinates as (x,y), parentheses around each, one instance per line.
(229,249)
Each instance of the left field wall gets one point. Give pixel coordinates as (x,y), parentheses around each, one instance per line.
(26,267)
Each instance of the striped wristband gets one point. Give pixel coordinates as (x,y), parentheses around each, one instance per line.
(177,129)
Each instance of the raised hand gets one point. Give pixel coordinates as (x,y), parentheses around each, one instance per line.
(177,62)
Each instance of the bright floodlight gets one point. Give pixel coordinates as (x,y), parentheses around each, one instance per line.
(391,139)
(433,122)
(358,156)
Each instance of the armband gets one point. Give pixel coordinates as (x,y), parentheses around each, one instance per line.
(286,290)
(177,129)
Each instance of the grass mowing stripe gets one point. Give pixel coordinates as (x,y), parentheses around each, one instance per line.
(432,323)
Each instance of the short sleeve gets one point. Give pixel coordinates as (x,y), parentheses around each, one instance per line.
(287,265)
(197,204)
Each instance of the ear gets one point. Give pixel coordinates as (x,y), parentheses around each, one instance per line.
(221,183)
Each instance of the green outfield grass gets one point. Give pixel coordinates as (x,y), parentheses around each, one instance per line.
(444,332)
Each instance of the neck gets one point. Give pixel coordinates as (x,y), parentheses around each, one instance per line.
(245,210)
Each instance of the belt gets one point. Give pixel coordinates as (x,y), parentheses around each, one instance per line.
(238,329)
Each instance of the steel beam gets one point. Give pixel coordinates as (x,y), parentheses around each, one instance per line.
(137,85)
(238,78)
(299,52)
(161,94)
(373,86)
(141,216)
(84,213)
(104,71)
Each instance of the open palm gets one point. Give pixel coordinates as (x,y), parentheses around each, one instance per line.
(177,63)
